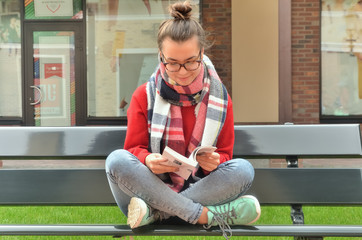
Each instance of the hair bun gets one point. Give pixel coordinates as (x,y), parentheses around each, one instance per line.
(181,10)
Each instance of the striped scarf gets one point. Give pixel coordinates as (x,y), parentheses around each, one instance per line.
(165,99)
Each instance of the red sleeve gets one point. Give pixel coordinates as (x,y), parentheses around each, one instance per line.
(137,136)
(225,142)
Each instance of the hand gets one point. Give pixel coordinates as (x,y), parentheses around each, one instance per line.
(157,164)
(208,161)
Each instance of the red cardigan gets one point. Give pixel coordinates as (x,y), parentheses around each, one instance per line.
(137,136)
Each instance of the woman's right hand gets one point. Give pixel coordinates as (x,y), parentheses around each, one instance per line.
(157,164)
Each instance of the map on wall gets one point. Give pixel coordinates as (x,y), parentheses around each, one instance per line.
(341,57)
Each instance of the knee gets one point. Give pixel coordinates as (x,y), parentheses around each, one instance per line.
(241,170)
(245,168)
(117,160)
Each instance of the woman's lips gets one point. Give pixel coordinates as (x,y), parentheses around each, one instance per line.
(183,79)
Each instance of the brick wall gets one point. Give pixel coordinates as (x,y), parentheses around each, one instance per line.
(305,52)
(216,19)
(305,60)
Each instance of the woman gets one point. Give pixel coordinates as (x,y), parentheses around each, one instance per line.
(183,105)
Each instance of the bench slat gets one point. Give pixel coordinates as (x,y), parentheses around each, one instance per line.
(308,186)
(298,140)
(90,186)
(260,141)
(60,142)
(181,230)
(54,187)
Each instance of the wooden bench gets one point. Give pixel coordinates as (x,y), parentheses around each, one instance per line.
(272,186)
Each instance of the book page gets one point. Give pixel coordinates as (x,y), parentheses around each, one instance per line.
(185,165)
(200,150)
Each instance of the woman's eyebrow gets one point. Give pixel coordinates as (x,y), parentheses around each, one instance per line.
(175,60)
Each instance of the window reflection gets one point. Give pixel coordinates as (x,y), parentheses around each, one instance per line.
(10,59)
(122,51)
(341,45)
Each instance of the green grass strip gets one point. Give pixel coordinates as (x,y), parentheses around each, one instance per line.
(112,215)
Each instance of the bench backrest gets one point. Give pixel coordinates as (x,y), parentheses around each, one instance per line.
(255,141)
(298,140)
(271,186)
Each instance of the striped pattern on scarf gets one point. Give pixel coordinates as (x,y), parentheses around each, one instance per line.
(165,100)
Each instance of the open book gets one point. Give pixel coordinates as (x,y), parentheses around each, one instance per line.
(185,165)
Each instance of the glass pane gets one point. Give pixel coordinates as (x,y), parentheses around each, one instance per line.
(53,9)
(122,50)
(54,78)
(10,59)
(341,69)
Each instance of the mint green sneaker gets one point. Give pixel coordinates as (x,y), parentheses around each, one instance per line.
(244,210)
(139,213)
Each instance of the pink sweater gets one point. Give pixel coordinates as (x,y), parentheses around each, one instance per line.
(137,137)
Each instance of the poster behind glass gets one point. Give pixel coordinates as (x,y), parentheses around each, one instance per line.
(341,58)
(10,59)
(53,9)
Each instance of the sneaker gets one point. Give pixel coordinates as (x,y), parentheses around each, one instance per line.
(139,213)
(242,211)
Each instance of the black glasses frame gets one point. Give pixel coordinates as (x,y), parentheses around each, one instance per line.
(181,65)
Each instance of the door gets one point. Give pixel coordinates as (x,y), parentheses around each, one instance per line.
(54,83)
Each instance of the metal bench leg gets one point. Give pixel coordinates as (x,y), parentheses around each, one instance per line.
(297,216)
(308,238)
(296,212)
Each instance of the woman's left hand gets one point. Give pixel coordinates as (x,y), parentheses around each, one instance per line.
(208,161)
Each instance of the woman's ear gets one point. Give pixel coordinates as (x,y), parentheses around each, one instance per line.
(159,55)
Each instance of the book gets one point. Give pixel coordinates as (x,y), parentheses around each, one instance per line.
(186,165)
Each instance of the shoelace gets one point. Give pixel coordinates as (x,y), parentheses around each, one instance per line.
(156,214)
(221,217)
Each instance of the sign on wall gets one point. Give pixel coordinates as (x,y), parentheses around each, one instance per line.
(49,8)
(53,87)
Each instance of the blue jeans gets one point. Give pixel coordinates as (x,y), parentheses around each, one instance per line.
(128,177)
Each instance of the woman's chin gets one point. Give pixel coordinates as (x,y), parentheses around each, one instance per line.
(183,81)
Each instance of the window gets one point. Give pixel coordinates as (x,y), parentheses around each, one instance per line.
(341,60)
(10,59)
(122,51)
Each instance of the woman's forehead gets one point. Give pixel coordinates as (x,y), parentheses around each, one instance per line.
(181,50)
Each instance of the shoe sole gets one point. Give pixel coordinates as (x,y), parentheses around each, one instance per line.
(257,207)
(136,212)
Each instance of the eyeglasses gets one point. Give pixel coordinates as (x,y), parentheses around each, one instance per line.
(175,67)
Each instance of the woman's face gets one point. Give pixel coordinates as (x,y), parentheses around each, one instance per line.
(182,52)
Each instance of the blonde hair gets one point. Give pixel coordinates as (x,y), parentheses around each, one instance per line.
(182,26)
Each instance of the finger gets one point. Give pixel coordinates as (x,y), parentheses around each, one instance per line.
(203,158)
(208,167)
(160,159)
(205,162)
(171,169)
(159,169)
(206,154)
(208,159)
(215,155)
